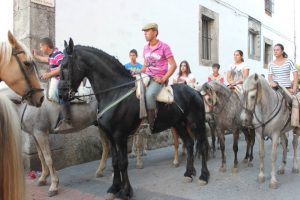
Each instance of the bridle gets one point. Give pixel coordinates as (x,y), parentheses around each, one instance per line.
(31,91)
(252,112)
(212,106)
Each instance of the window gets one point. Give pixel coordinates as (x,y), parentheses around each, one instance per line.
(254,34)
(269,7)
(268,52)
(208,37)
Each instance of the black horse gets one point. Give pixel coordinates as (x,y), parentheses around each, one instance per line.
(110,81)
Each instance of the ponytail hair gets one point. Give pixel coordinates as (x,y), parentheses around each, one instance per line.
(284,54)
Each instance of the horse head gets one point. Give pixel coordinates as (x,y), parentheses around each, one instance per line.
(69,74)
(19,72)
(252,94)
(209,96)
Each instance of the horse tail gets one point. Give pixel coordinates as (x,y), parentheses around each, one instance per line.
(12,186)
(200,132)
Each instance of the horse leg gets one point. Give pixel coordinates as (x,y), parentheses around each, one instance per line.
(248,141)
(133,148)
(139,150)
(116,185)
(273,182)
(261,175)
(45,170)
(295,168)
(126,191)
(189,144)
(176,145)
(252,139)
(105,151)
(202,147)
(213,138)
(235,148)
(43,142)
(283,142)
(222,146)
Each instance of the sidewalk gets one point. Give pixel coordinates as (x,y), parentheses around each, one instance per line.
(33,192)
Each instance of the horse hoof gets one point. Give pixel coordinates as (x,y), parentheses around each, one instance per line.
(110,196)
(176,164)
(202,182)
(261,179)
(274,184)
(99,174)
(235,170)
(280,171)
(187,179)
(52,193)
(295,171)
(245,161)
(139,166)
(41,183)
(222,169)
(250,164)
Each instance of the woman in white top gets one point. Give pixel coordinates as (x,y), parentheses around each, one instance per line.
(185,75)
(237,71)
(280,69)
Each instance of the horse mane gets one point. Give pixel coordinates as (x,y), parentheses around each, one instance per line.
(220,89)
(11,167)
(6,52)
(107,58)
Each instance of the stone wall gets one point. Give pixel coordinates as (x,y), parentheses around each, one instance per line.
(83,146)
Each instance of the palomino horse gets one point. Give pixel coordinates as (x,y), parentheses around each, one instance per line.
(18,71)
(114,89)
(12,184)
(267,111)
(40,122)
(225,106)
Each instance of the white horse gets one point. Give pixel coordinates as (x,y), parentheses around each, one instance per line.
(12,184)
(267,111)
(40,122)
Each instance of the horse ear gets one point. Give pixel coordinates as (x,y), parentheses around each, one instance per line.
(71,45)
(12,40)
(255,76)
(65,44)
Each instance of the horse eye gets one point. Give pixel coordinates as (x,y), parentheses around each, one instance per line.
(252,97)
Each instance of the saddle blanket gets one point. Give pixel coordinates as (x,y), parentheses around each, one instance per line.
(165,95)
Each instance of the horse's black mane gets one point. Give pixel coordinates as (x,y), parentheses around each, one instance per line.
(109,59)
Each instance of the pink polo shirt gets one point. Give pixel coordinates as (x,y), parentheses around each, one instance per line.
(157,59)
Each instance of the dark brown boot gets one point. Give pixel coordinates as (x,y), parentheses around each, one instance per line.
(65,125)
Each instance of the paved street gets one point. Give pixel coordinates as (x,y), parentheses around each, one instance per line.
(160,180)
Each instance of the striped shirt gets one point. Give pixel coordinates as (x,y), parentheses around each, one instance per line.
(55,59)
(281,74)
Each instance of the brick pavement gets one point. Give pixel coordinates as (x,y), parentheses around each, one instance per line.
(33,192)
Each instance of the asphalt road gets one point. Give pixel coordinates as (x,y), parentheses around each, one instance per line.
(159,180)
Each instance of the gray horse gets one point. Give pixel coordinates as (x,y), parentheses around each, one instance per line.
(225,107)
(267,111)
(40,122)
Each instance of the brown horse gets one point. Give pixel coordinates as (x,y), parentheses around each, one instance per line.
(18,71)
(11,168)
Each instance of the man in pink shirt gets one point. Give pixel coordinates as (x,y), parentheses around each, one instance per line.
(157,57)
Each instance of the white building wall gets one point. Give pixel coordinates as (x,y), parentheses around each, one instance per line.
(115,27)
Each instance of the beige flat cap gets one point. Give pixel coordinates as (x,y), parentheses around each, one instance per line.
(150,26)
